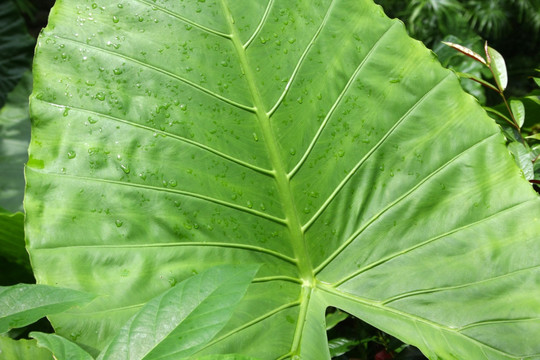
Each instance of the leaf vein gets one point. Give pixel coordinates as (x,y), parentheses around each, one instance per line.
(411,317)
(184,19)
(184,244)
(301,60)
(342,184)
(178,192)
(173,136)
(260,25)
(389,206)
(454,287)
(253,322)
(162,71)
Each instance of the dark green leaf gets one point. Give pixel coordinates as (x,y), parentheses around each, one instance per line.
(12,238)
(15,46)
(334,318)
(340,346)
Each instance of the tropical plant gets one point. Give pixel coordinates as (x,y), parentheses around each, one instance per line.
(313,139)
(15,46)
(512,116)
(15,87)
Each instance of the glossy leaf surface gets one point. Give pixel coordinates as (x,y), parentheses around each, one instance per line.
(313,137)
(498,66)
(61,348)
(518,109)
(24,304)
(189,316)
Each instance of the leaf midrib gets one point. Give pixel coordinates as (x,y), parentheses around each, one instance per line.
(278,171)
(292,220)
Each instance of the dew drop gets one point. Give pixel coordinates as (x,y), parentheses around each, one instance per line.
(115,19)
(71,154)
(249,204)
(255,137)
(119,223)
(125,169)
(292,151)
(341,153)
(173,183)
(307,210)
(100,96)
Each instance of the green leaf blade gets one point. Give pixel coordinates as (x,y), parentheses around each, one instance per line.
(61,348)
(22,350)
(24,304)
(321,150)
(518,109)
(189,315)
(498,67)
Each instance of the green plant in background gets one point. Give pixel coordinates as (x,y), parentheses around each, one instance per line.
(518,137)
(432,20)
(218,133)
(16,47)
(511,26)
(180,139)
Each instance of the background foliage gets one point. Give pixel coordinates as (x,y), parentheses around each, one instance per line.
(512,27)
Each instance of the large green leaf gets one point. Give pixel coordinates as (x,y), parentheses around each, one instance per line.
(313,137)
